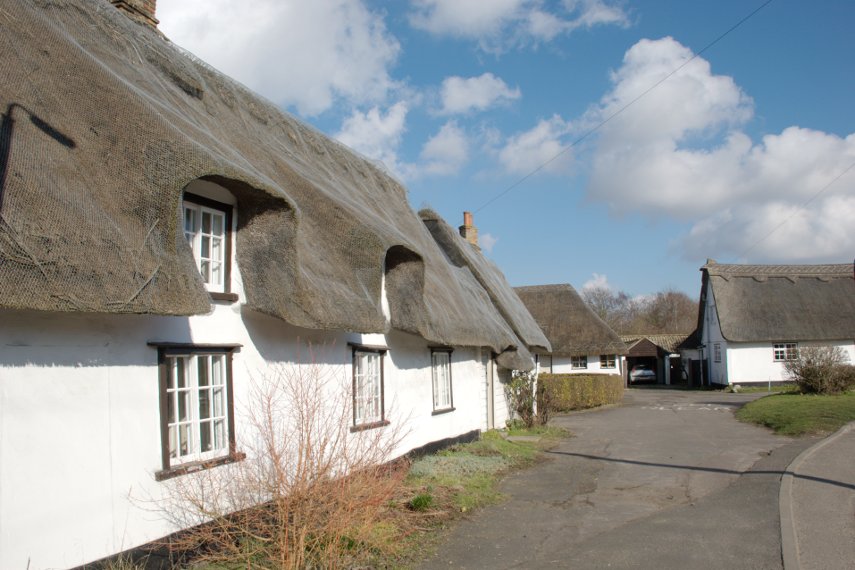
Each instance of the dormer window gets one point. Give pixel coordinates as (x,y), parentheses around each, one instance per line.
(207,228)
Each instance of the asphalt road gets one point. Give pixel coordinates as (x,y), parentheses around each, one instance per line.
(670,479)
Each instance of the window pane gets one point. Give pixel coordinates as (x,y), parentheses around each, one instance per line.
(170,408)
(205,250)
(216,277)
(183,405)
(204,404)
(205,436)
(217,224)
(189,223)
(217,369)
(206,222)
(218,401)
(203,370)
(205,270)
(173,447)
(184,439)
(219,434)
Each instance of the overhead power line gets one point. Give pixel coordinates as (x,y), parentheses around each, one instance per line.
(596,128)
(800,208)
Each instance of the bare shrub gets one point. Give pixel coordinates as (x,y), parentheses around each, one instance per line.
(821,370)
(309,490)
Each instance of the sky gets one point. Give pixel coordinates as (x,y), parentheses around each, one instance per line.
(617,143)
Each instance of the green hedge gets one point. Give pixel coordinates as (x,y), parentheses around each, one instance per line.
(566,392)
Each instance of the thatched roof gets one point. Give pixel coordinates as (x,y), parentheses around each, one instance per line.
(782,302)
(461,254)
(571,326)
(105,122)
(667,342)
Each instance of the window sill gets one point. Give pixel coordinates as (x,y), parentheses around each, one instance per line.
(442,411)
(372,425)
(228,297)
(185,468)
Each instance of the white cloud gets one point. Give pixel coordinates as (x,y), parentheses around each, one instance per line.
(461,94)
(301,54)
(446,152)
(487,242)
(499,24)
(597,281)
(377,135)
(680,152)
(539,147)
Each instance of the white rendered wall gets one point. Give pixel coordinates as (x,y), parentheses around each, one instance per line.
(80,425)
(716,372)
(754,362)
(563,365)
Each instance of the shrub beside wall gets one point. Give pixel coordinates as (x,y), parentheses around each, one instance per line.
(568,392)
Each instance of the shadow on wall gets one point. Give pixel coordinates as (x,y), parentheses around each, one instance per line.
(77,340)
(279,342)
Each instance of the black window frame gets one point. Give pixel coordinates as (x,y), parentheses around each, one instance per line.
(381,351)
(165,350)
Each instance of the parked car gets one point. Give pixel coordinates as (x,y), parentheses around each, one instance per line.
(642,373)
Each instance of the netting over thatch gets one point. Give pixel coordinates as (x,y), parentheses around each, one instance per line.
(104,124)
(783,302)
(569,324)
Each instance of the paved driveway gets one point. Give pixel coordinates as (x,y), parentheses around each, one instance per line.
(668,480)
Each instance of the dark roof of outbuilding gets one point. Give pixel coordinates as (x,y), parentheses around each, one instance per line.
(104,124)
(667,342)
(571,326)
(782,302)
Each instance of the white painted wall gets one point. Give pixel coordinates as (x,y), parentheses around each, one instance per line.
(716,372)
(754,362)
(563,365)
(80,427)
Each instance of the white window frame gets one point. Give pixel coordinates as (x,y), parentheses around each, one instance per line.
(784,351)
(579,362)
(181,381)
(716,352)
(368,387)
(193,209)
(443,400)
(608,361)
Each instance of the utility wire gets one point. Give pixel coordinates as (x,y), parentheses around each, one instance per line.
(622,109)
(798,211)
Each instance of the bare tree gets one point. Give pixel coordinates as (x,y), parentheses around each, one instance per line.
(307,493)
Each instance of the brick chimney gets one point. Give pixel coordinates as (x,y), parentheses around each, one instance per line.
(469,231)
(140,10)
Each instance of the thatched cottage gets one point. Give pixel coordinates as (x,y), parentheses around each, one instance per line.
(581,341)
(753,318)
(166,239)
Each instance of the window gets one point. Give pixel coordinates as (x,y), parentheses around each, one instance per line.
(368,387)
(578,362)
(716,352)
(441,371)
(608,360)
(785,351)
(207,228)
(196,407)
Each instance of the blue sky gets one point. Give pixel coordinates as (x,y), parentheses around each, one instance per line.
(746,154)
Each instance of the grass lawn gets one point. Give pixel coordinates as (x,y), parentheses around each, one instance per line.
(800,414)
(442,487)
